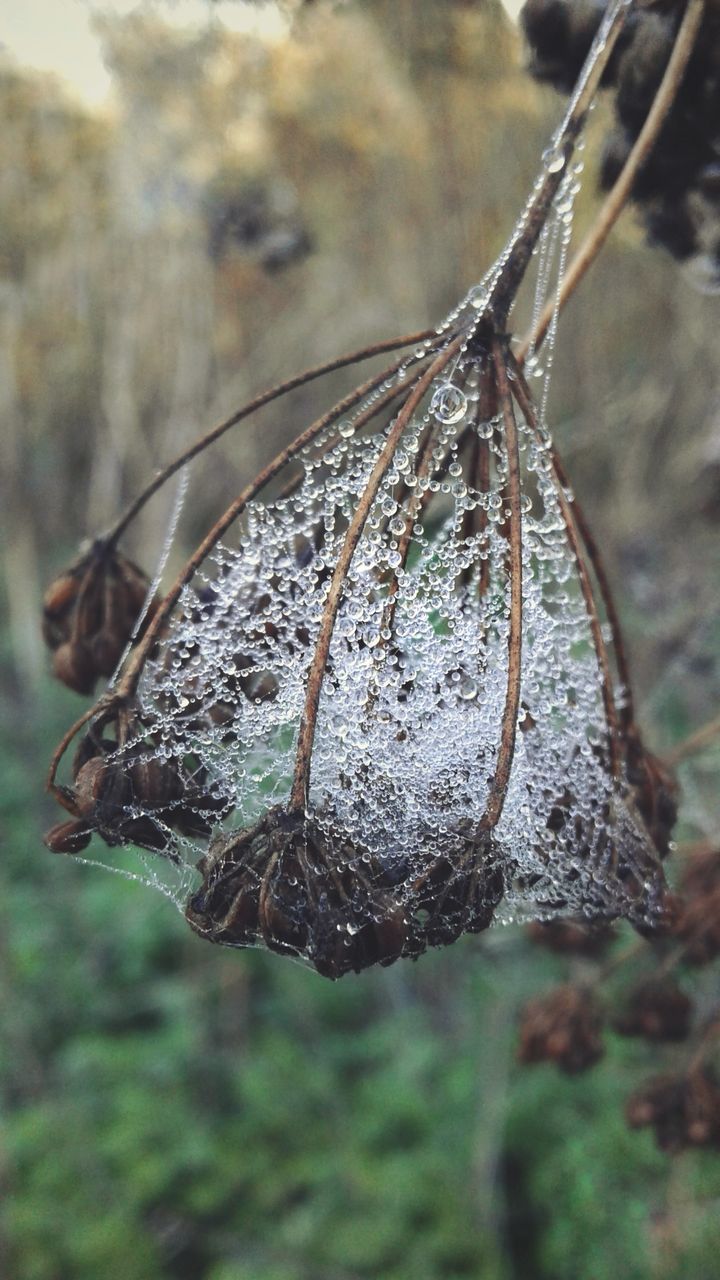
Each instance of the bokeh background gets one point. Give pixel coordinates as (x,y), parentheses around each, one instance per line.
(261,190)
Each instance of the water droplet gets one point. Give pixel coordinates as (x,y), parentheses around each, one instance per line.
(554,159)
(449,403)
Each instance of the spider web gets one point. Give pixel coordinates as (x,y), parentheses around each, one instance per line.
(408,728)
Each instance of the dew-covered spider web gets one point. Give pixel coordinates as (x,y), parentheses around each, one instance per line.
(392,848)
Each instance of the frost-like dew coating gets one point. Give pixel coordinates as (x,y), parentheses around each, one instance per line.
(412,701)
(384,709)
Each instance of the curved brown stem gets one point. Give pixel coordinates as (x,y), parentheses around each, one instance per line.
(127,683)
(501,777)
(620,193)
(318,665)
(258,402)
(527,408)
(58,792)
(131,675)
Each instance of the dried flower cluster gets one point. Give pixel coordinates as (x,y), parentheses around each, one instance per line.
(390,703)
(683,1110)
(90,613)
(678,186)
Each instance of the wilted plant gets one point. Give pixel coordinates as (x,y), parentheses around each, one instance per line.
(402,674)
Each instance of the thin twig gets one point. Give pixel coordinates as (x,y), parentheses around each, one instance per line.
(501,777)
(620,193)
(258,402)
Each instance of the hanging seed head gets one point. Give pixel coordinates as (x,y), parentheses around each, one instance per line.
(128,794)
(404,654)
(684,1110)
(397,670)
(89,615)
(563,1027)
(658,1009)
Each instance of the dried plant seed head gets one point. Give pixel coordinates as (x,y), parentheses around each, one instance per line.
(396,672)
(90,613)
(280,883)
(431,714)
(683,1110)
(563,1027)
(658,1009)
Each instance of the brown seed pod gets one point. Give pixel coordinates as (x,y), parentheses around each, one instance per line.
(684,1110)
(277,884)
(658,1009)
(68,837)
(89,614)
(697,923)
(130,795)
(73,665)
(281,884)
(698,927)
(655,791)
(562,1027)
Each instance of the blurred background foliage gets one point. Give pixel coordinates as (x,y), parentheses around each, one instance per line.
(247,207)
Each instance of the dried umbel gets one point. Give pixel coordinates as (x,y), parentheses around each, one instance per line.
(90,613)
(684,1110)
(564,1027)
(658,1009)
(402,673)
(285,884)
(127,791)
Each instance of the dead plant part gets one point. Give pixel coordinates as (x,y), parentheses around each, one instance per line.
(658,1009)
(286,884)
(90,612)
(625,160)
(348,665)
(563,1027)
(698,922)
(683,1110)
(663,152)
(127,793)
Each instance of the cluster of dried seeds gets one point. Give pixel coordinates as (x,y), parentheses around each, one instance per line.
(90,612)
